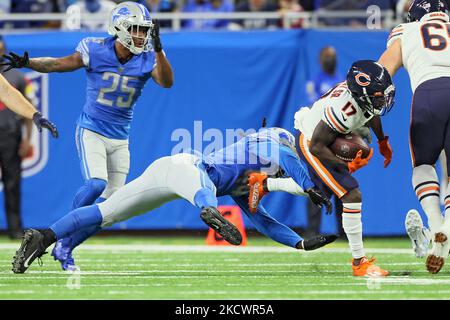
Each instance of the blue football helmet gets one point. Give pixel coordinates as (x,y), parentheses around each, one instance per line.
(285,138)
(371,86)
(419,8)
(127,21)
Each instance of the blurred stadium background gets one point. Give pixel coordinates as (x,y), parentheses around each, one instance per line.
(235,62)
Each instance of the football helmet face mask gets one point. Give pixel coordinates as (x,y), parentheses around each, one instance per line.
(371,86)
(130,22)
(419,8)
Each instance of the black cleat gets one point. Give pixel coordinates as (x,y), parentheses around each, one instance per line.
(212,217)
(32,247)
(318,242)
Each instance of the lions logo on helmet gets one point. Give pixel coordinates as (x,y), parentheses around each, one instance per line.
(129,20)
(285,138)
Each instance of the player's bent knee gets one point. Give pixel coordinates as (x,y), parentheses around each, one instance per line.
(96,186)
(352,196)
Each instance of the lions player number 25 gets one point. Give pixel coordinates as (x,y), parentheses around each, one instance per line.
(116,80)
(435,36)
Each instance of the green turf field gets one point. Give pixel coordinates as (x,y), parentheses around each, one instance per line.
(183,268)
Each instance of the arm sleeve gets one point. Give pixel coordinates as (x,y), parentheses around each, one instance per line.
(335,119)
(294,168)
(395,34)
(269,226)
(84,49)
(285,185)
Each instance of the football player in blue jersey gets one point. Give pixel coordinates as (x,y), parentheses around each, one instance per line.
(117,69)
(200,180)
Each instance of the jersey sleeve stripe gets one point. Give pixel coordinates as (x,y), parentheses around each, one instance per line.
(392,35)
(335,123)
(328,120)
(337,119)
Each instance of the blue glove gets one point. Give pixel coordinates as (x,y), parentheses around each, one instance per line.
(41,122)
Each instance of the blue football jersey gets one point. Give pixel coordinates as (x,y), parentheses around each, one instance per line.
(260,151)
(112,87)
(320,84)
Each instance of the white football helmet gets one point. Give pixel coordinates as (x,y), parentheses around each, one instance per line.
(126,21)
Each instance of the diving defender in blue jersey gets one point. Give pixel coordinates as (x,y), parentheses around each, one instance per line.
(199,180)
(117,69)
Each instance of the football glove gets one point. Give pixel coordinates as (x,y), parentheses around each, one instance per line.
(42,122)
(359,162)
(154,33)
(385,150)
(15,61)
(319,199)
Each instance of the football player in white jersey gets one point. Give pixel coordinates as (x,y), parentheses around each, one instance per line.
(367,94)
(422,47)
(17,103)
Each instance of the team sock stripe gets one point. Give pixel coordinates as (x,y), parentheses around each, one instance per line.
(429,195)
(351,210)
(447,207)
(419,192)
(424,183)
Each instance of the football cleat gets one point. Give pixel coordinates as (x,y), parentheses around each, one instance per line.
(318,242)
(419,235)
(32,247)
(62,252)
(256,189)
(212,217)
(367,268)
(435,261)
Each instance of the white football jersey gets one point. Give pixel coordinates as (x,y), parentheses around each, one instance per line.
(425,47)
(337,108)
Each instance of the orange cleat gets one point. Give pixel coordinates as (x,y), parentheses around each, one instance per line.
(367,268)
(256,189)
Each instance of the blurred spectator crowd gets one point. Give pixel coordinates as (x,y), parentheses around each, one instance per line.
(102,7)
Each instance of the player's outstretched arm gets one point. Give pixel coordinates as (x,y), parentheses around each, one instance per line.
(16,102)
(163,73)
(383,140)
(391,59)
(44,65)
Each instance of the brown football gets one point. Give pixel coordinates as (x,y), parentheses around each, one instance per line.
(346,147)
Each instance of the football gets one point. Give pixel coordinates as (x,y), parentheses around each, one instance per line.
(346,147)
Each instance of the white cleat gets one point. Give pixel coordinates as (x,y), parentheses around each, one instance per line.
(439,252)
(419,235)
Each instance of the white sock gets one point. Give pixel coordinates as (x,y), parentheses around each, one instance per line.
(351,221)
(426,185)
(285,185)
(446,224)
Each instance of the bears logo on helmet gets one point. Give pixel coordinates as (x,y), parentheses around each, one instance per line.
(365,81)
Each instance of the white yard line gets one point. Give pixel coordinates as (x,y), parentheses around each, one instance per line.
(118,262)
(359,282)
(201,248)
